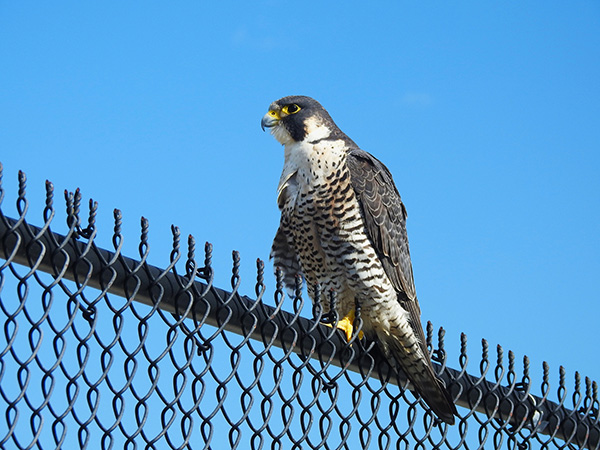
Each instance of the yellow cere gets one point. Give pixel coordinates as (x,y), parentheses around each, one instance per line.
(274,114)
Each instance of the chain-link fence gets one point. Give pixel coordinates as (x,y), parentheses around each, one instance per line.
(99,350)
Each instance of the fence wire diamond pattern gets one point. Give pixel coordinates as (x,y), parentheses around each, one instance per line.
(107,351)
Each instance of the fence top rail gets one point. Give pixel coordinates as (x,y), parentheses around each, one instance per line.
(496,391)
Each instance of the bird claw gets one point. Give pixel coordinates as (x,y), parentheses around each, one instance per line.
(345,324)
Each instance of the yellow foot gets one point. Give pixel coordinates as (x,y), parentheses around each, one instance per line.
(346,325)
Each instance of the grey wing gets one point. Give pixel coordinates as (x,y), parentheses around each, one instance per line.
(284,257)
(385,219)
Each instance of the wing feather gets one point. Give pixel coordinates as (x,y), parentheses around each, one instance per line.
(284,257)
(385,219)
(384,215)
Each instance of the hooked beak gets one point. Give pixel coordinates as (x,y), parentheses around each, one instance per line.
(270,119)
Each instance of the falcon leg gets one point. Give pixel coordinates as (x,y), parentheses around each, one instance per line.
(346,324)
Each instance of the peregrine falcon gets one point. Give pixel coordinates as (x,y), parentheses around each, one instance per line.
(343,227)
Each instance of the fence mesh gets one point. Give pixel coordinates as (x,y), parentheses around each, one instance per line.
(111,352)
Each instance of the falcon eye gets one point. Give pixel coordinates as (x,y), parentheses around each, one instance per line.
(291,109)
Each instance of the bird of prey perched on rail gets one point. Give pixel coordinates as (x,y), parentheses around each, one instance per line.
(343,227)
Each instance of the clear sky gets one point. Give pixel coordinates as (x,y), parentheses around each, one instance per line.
(486,113)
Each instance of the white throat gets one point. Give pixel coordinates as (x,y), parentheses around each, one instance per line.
(315,130)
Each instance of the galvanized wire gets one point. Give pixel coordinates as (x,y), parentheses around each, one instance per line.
(112,352)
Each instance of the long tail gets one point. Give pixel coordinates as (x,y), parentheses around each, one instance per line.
(419,370)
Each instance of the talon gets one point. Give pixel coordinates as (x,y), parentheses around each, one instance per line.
(346,325)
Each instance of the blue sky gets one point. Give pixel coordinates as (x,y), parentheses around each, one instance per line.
(486,113)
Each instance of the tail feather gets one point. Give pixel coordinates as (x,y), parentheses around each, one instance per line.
(419,370)
(435,394)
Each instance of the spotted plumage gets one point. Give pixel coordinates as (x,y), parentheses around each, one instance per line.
(343,227)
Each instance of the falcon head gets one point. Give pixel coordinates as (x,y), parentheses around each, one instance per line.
(297,118)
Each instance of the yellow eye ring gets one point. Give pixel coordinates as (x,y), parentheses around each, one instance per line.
(291,109)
